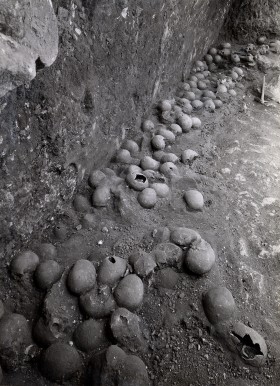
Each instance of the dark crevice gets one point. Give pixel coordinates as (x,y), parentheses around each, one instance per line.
(140,178)
(39,64)
(249,348)
(112,259)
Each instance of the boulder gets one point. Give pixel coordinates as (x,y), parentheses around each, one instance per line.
(28,41)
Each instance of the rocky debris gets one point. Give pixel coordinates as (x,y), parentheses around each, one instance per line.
(125,327)
(219,305)
(29,37)
(47,273)
(26,262)
(200,257)
(142,262)
(111,270)
(168,254)
(90,335)
(184,236)
(60,362)
(98,303)
(166,278)
(250,344)
(82,277)
(122,370)
(129,292)
(15,338)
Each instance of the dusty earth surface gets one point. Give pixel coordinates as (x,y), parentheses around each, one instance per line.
(74,114)
(238,172)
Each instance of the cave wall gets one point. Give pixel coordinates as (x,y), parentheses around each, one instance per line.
(250,19)
(115,60)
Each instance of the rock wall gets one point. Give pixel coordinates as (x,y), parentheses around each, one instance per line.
(115,59)
(28,40)
(249,19)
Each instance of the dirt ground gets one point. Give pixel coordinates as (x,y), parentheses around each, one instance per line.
(238,172)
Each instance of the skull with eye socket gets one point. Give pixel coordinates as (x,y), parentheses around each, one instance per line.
(250,47)
(235,58)
(264,49)
(225,52)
